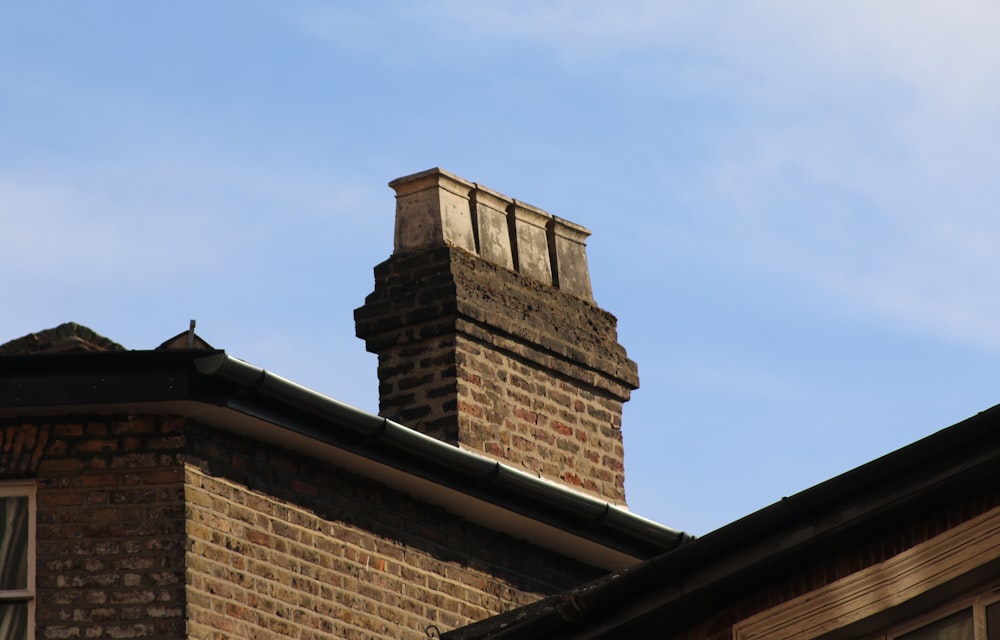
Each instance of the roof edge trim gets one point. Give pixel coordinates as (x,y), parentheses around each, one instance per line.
(475,469)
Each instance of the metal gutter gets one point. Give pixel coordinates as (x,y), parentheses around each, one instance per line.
(218,389)
(413,452)
(679,587)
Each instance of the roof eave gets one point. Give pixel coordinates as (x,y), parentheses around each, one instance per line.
(219,389)
(668,591)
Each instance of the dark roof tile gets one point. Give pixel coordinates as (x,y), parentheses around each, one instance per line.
(68,337)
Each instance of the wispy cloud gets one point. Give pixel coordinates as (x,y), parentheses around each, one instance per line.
(720,376)
(855,159)
(948,50)
(865,173)
(948,53)
(178,212)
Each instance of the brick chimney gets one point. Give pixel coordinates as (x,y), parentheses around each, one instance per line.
(488,337)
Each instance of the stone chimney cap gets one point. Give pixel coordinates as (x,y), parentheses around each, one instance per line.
(423,179)
(436,208)
(570,230)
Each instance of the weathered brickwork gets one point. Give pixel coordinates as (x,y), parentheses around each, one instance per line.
(304,550)
(718,623)
(524,415)
(153,527)
(485,358)
(110,536)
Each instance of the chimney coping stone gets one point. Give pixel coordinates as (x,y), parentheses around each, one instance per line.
(530,230)
(493,232)
(424,179)
(495,195)
(570,230)
(436,208)
(432,209)
(569,251)
(530,214)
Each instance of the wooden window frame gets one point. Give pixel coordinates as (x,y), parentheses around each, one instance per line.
(977,603)
(867,595)
(9,489)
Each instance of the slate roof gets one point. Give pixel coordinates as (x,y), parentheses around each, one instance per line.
(68,337)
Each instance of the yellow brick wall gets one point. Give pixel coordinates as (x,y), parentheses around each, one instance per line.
(307,551)
(160,527)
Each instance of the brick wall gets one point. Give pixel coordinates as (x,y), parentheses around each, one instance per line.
(526,416)
(485,358)
(110,537)
(304,550)
(152,527)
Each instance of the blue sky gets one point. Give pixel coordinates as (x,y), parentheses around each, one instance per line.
(793,204)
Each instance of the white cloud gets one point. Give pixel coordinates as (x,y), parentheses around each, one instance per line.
(579,29)
(945,50)
(153,219)
(720,376)
(883,204)
(948,52)
(885,109)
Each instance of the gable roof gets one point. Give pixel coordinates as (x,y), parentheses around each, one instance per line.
(685,585)
(185,340)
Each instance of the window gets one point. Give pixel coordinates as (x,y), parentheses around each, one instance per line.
(977,619)
(957,626)
(875,597)
(17,560)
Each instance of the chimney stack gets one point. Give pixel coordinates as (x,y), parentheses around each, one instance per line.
(488,337)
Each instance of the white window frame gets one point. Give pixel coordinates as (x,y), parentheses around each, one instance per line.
(27,489)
